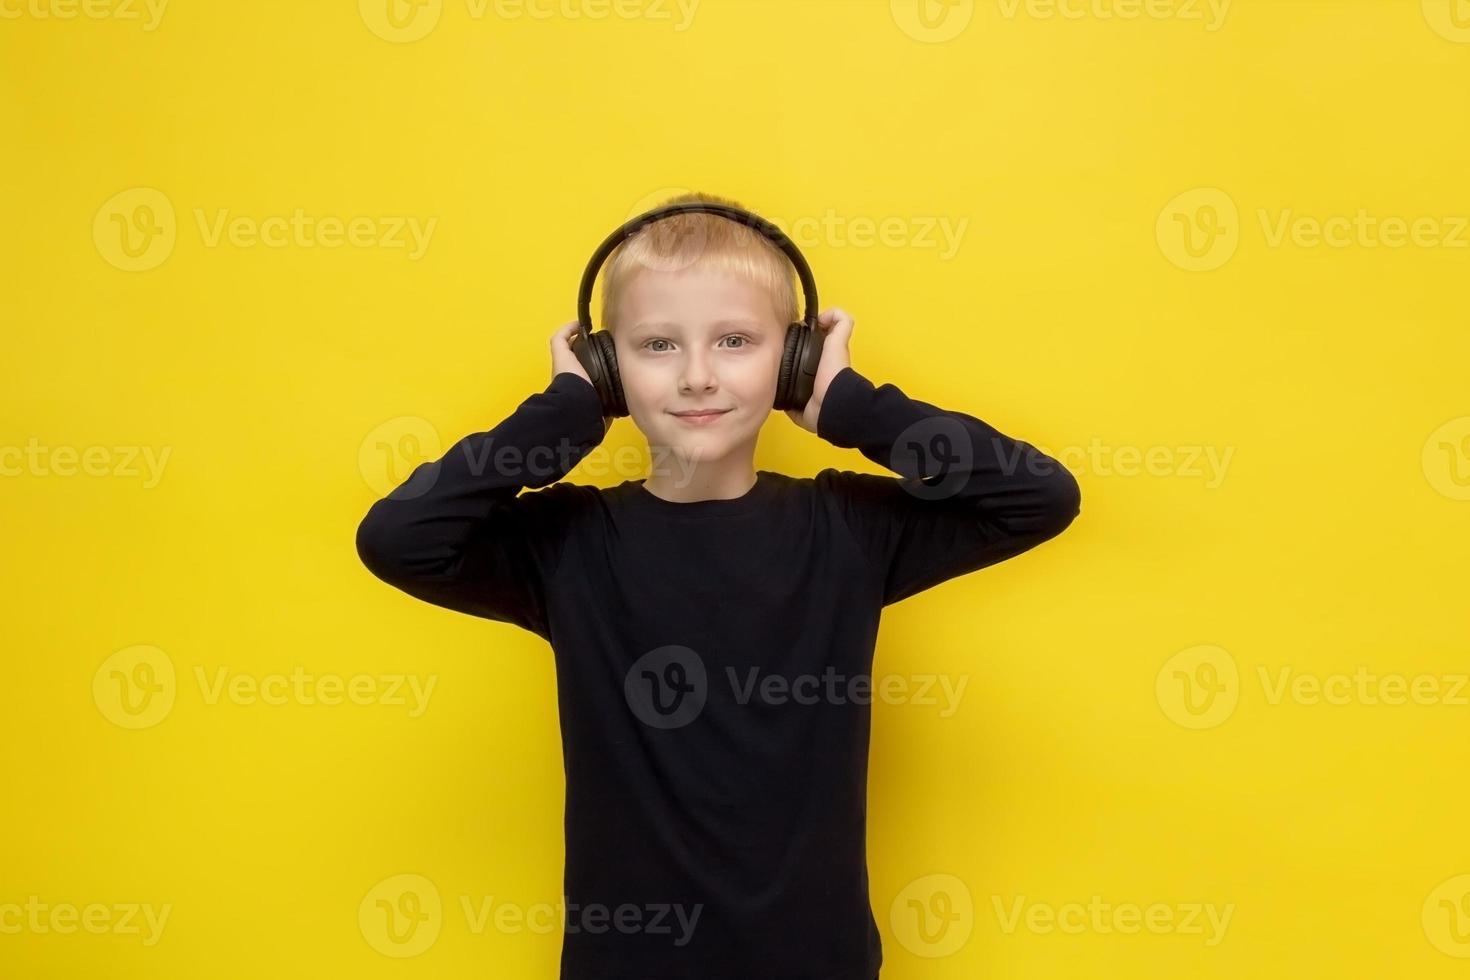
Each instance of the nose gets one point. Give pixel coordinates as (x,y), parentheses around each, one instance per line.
(697,372)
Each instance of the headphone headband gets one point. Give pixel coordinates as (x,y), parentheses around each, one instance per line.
(766,228)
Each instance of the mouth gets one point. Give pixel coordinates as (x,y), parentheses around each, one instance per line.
(701,416)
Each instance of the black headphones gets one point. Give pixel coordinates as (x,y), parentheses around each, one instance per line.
(799,358)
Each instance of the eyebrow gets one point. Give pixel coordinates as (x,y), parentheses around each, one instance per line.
(665,325)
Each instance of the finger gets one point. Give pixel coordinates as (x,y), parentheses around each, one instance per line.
(840,328)
(835,317)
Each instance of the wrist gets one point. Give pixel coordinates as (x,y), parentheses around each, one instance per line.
(840,417)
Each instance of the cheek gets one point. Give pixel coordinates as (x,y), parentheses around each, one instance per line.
(770,371)
(646,391)
(639,382)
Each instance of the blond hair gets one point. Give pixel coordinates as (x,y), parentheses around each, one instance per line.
(700,238)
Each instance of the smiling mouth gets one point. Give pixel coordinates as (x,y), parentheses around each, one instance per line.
(705,417)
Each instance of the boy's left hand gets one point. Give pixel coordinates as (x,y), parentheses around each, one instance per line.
(836,325)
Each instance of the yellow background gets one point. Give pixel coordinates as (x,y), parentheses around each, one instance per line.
(1335,377)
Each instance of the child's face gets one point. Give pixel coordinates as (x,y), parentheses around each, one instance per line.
(698,338)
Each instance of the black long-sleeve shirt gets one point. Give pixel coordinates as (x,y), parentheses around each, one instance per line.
(712,659)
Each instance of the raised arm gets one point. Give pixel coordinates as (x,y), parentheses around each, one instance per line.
(968,496)
(459,533)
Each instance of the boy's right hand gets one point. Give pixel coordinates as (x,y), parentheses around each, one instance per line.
(563,358)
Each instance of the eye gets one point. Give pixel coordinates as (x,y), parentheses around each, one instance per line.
(738,336)
(656,340)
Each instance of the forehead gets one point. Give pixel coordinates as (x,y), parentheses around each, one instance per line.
(696,297)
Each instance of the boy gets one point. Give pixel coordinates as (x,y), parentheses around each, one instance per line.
(712,625)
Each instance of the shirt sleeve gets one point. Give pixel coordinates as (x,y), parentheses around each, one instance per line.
(967,496)
(460,534)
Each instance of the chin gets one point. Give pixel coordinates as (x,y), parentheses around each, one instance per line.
(701,447)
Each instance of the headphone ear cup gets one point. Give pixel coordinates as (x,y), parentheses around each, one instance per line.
(589,355)
(786,394)
(613,402)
